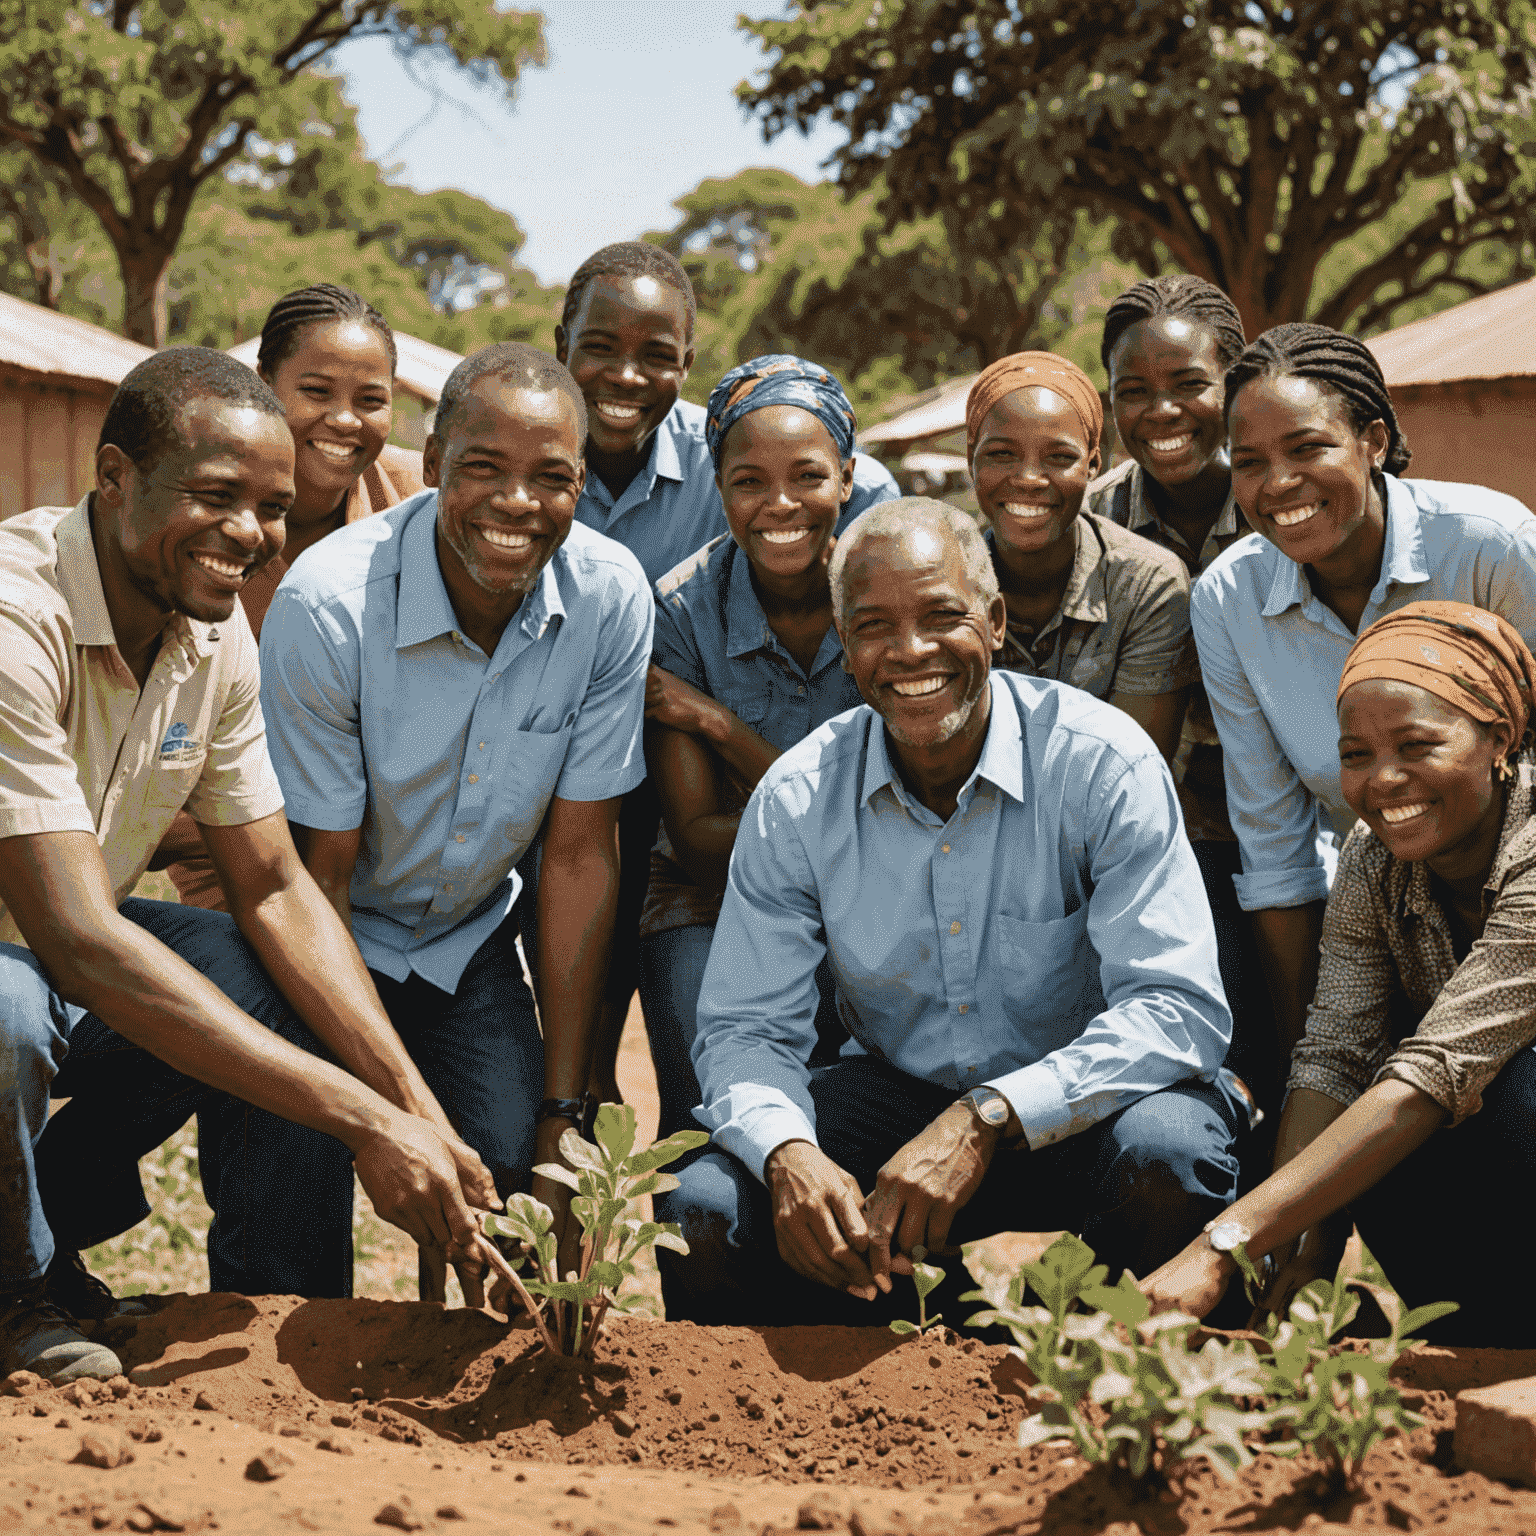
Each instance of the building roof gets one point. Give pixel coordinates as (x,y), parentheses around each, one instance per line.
(43,341)
(422,369)
(942,411)
(1491,337)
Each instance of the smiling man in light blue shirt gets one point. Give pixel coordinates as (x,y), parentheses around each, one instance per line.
(995,868)
(442,681)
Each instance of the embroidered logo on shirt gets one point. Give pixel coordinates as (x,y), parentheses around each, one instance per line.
(179,749)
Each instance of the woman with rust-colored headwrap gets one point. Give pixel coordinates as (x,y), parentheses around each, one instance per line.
(1088,603)
(1413,1092)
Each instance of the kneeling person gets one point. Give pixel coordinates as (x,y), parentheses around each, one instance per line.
(995,868)
(441,681)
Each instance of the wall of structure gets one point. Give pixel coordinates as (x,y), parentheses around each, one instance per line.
(48,432)
(1484,431)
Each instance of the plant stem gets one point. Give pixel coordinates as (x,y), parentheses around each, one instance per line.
(597,1323)
(533,1311)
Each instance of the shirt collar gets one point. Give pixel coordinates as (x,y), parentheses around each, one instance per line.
(1085,597)
(1143,514)
(1001,761)
(662,463)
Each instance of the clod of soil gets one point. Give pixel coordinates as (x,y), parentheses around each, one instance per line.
(271,1413)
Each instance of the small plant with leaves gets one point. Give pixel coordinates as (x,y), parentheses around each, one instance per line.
(570,1309)
(927,1278)
(1120,1386)
(1341,1405)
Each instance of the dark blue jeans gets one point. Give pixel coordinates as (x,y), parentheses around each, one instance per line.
(1452,1222)
(281,1193)
(1137,1187)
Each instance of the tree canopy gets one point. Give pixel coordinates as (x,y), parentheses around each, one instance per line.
(1327,159)
(132,112)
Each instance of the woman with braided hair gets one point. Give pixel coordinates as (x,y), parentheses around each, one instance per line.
(1316,458)
(1413,1091)
(330,357)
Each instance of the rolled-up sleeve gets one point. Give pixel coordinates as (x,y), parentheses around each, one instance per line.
(310,688)
(1273,813)
(757,1005)
(1165,1018)
(605,757)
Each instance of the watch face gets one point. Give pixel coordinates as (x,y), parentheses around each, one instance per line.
(1226,1235)
(990,1105)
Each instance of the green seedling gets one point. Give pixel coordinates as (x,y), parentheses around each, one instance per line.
(926,1278)
(570,1309)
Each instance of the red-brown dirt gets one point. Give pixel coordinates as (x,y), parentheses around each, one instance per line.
(463,1425)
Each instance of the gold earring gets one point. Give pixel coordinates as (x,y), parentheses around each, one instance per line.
(1502,771)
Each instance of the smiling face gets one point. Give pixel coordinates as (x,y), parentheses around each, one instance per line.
(1031,466)
(508,477)
(783,486)
(1165,390)
(186,532)
(337,389)
(1419,772)
(917,639)
(629,350)
(1301,472)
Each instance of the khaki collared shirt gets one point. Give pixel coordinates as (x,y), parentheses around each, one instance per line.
(82,749)
(1123,624)
(1121,496)
(1392,999)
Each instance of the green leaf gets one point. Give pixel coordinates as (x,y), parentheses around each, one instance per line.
(926,1277)
(1061,1272)
(666,1151)
(615,1131)
(902,1326)
(604,1272)
(1124,1302)
(578,1291)
(559,1173)
(579,1153)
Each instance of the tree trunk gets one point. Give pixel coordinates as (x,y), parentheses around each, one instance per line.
(144,282)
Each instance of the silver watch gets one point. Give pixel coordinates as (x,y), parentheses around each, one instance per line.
(990,1107)
(1224,1236)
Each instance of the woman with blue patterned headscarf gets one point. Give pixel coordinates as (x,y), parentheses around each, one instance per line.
(746,663)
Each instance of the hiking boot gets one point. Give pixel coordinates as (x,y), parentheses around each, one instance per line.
(37,1335)
(74,1288)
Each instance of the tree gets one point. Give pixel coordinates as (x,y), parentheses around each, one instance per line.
(1243,140)
(134,110)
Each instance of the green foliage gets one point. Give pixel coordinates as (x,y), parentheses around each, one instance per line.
(926,1278)
(1247,142)
(1126,1389)
(609,1174)
(134,111)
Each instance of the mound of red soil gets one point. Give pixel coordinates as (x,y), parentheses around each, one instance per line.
(273,1413)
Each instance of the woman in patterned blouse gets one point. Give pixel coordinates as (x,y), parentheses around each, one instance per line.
(1425,1010)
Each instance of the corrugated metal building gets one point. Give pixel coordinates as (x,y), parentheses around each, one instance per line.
(1464,383)
(56,376)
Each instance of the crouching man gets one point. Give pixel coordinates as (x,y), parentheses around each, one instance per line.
(128,690)
(995,867)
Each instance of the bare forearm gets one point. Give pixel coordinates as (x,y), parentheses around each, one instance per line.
(703,848)
(747,755)
(576,903)
(182,840)
(1288,940)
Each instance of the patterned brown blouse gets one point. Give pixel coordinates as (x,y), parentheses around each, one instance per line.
(1392,1001)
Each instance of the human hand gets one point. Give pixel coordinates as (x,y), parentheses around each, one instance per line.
(672,702)
(921,1187)
(1192,1281)
(816,1219)
(1314,1256)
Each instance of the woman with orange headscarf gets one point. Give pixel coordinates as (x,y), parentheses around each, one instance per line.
(1089,603)
(1413,1091)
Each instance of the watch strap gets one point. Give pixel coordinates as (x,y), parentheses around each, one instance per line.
(574,1110)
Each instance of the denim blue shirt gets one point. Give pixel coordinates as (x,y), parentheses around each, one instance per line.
(672,507)
(1271,655)
(711,632)
(1052,939)
(382,714)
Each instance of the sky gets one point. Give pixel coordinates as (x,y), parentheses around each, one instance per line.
(635,107)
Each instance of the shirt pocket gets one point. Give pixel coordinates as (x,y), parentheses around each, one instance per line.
(171,784)
(1054,974)
(749,703)
(531,761)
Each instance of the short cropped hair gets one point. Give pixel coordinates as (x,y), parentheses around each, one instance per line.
(1178,293)
(144,418)
(319,304)
(516,363)
(629,258)
(890,519)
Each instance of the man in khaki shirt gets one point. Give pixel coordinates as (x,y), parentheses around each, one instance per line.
(129,689)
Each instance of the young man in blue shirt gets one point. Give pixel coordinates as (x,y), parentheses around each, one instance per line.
(995,868)
(442,681)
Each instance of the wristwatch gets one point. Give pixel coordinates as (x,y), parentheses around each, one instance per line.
(989,1106)
(1224,1236)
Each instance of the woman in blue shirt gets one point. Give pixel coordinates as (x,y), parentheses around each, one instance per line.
(747,663)
(1316,458)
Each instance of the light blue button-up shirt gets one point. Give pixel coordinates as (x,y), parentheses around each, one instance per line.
(1271,655)
(382,714)
(1052,939)
(672,507)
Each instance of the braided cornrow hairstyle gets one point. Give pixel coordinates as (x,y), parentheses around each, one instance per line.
(629,258)
(1343,365)
(319,303)
(1182,294)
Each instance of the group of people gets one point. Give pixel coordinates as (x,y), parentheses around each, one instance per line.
(976,876)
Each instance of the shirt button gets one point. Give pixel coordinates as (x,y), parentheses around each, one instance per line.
(946,848)
(474,778)
(801,690)
(965,1007)
(953,927)
(482,746)
(458,837)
